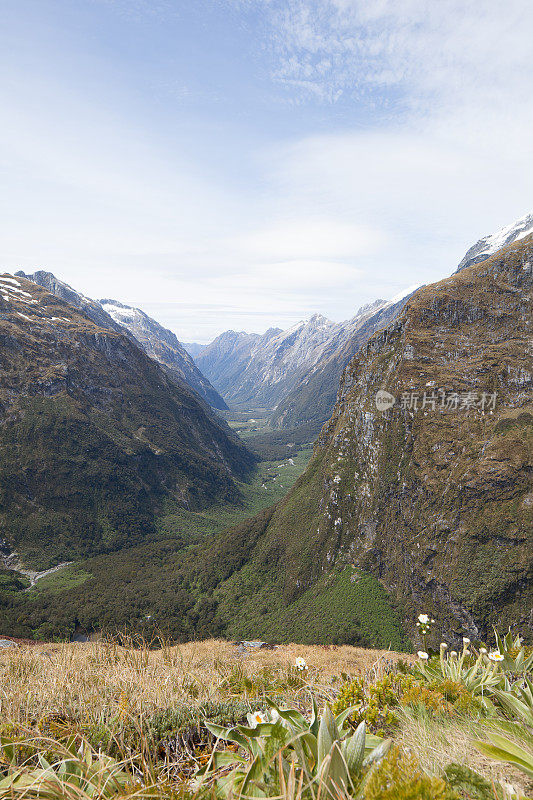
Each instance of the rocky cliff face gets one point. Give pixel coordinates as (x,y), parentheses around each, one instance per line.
(94,437)
(438,502)
(435,500)
(158,342)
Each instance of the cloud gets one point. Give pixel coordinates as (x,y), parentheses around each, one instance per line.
(446,50)
(309,238)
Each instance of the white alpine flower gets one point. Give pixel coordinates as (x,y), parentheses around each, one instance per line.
(300,663)
(466,640)
(423,619)
(496,656)
(422,655)
(256,718)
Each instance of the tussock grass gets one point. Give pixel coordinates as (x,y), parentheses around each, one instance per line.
(97,679)
(439,741)
(145,708)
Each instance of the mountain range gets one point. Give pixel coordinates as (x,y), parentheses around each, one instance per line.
(255,371)
(292,374)
(418,496)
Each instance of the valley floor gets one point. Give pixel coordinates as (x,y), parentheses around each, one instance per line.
(269,484)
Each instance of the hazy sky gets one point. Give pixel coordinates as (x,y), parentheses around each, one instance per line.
(245,163)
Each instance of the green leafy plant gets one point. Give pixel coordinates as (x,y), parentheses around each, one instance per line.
(504,749)
(476,675)
(517,703)
(77,772)
(517,659)
(322,752)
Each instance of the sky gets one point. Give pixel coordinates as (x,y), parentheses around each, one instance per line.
(246,163)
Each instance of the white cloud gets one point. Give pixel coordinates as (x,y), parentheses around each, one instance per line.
(444,50)
(309,238)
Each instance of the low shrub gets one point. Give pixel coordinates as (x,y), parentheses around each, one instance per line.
(399,777)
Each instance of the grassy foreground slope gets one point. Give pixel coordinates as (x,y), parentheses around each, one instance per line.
(143,715)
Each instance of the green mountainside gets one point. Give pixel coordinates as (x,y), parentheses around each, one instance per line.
(94,437)
(436,504)
(144,587)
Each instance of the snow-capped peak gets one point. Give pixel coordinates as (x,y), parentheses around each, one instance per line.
(495,241)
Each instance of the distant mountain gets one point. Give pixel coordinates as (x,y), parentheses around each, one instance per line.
(253,371)
(311,400)
(294,373)
(158,342)
(163,345)
(95,438)
(493,242)
(193,348)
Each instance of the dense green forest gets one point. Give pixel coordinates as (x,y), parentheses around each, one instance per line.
(187,580)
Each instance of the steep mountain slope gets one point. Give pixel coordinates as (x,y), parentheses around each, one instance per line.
(495,241)
(158,342)
(163,345)
(91,308)
(253,371)
(193,348)
(94,437)
(311,401)
(227,358)
(436,502)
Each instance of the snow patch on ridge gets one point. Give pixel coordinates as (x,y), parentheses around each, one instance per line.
(493,242)
(404,293)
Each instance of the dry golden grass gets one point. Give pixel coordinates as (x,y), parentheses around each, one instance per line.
(437,742)
(96,677)
(106,683)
